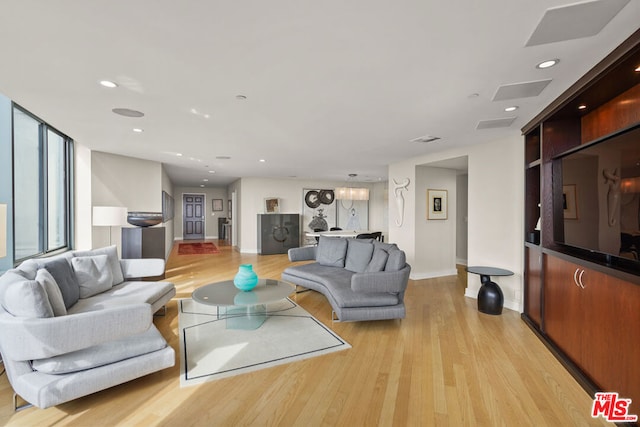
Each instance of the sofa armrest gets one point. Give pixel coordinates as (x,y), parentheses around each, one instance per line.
(37,338)
(305,253)
(144,267)
(383,281)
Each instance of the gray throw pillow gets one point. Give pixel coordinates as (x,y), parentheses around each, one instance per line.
(358,255)
(66,280)
(46,280)
(27,298)
(378,261)
(114,262)
(396,261)
(331,251)
(93,274)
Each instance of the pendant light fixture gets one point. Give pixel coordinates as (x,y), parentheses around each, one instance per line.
(352,193)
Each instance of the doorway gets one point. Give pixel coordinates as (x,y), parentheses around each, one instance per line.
(193,216)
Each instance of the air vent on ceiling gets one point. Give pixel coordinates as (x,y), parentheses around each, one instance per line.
(495,123)
(426,139)
(575,21)
(223,157)
(520,90)
(127,112)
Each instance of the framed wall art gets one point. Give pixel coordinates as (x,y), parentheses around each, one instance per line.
(271,205)
(216,205)
(437,204)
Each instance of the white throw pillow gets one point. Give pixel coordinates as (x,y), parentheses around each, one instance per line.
(27,298)
(93,274)
(46,280)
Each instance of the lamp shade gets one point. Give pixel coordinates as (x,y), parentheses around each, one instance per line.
(109,215)
(350,193)
(3,230)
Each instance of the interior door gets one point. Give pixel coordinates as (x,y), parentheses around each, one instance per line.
(193,216)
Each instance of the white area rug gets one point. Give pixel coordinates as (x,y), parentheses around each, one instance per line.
(210,350)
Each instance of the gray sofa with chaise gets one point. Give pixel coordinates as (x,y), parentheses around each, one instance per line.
(363,279)
(77,323)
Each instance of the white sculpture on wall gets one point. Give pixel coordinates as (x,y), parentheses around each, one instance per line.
(613,196)
(397,190)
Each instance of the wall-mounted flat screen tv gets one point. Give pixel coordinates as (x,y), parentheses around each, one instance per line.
(596,200)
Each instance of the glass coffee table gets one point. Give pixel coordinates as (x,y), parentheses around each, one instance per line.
(242,309)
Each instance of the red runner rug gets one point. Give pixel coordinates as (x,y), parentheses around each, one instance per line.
(197,249)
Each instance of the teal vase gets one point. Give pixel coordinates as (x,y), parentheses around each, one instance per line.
(246,279)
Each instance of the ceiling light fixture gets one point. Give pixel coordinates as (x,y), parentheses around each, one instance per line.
(223,157)
(547,64)
(205,180)
(212,171)
(179,154)
(351,193)
(108,83)
(512,108)
(138,130)
(582,107)
(262,160)
(638,69)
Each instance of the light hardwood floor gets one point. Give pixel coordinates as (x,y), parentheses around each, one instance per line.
(445,364)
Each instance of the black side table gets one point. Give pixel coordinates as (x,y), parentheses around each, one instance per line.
(490,298)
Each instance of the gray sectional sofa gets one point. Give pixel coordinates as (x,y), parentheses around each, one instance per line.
(363,279)
(77,323)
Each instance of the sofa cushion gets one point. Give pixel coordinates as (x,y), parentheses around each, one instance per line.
(46,280)
(65,278)
(358,255)
(378,261)
(322,274)
(124,293)
(385,246)
(93,274)
(114,263)
(331,251)
(102,354)
(26,298)
(396,261)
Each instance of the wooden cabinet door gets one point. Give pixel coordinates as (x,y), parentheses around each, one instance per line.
(533,284)
(563,306)
(611,338)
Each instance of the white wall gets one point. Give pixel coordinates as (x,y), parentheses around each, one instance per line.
(435,240)
(462,215)
(169,226)
(253,191)
(495,211)
(82,197)
(123,181)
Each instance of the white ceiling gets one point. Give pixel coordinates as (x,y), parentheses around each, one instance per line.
(332,87)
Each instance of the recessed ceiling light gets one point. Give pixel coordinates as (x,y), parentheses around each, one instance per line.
(127,112)
(547,64)
(474,95)
(512,108)
(262,160)
(582,107)
(108,83)
(638,69)
(205,180)
(212,171)
(179,154)
(138,130)
(241,97)
(202,185)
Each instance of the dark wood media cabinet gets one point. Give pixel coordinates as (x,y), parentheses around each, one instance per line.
(583,307)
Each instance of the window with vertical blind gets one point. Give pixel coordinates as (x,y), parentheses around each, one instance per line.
(42,187)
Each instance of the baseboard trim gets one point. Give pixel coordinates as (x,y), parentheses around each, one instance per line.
(434,274)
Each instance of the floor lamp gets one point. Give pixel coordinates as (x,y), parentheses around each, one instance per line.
(111,216)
